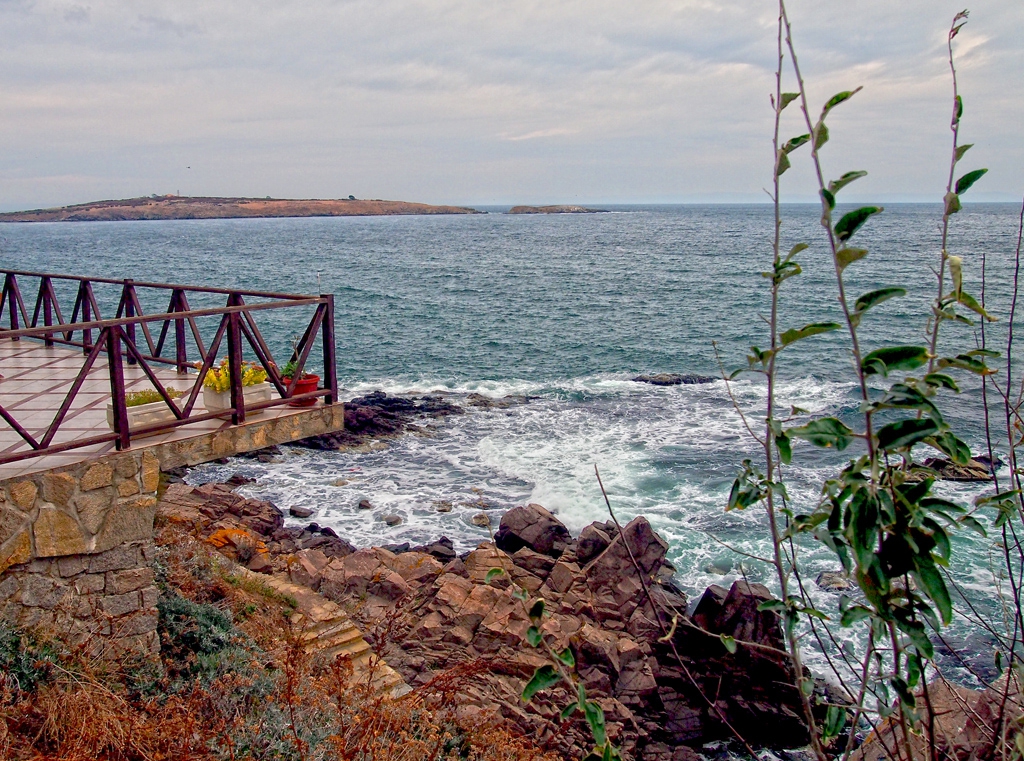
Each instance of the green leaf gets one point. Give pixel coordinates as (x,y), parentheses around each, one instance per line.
(820,135)
(852,221)
(949,444)
(544,677)
(796,250)
(984,353)
(785,447)
(537,610)
(966,362)
(971,303)
(811,329)
(905,433)
(847,256)
(941,380)
(854,614)
(870,299)
(836,185)
(533,636)
(795,143)
(973,524)
(830,199)
(962,149)
(595,718)
(729,642)
(931,581)
(969,179)
(895,358)
(775,606)
(782,164)
(567,658)
(838,98)
(787,98)
(952,202)
(493,574)
(835,720)
(959,108)
(825,432)
(569,710)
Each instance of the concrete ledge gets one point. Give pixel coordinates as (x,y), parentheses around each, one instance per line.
(253,434)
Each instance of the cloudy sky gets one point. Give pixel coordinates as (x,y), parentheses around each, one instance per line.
(489,101)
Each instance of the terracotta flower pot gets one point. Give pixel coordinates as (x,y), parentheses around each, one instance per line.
(304,385)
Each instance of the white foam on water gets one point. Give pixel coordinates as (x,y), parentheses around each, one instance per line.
(668,453)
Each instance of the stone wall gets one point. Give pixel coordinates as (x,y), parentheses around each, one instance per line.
(75,547)
(106,600)
(76,542)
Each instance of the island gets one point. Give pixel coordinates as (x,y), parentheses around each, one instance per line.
(186,207)
(554,210)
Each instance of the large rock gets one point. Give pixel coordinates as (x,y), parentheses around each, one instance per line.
(534,527)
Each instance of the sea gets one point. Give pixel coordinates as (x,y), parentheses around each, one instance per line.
(565,310)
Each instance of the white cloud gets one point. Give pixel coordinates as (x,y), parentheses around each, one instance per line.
(462,101)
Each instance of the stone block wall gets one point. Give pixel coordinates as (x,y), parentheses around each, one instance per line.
(75,549)
(105,600)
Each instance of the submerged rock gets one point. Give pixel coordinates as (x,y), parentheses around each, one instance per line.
(672,379)
(947,470)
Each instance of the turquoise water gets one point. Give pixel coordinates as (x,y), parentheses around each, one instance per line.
(566,309)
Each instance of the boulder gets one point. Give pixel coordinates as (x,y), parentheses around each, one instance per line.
(300,512)
(533,562)
(443,549)
(739,617)
(592,542)
(534,527)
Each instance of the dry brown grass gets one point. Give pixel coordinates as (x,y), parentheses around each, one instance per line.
(269,700)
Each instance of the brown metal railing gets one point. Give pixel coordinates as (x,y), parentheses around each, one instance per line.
(117,339)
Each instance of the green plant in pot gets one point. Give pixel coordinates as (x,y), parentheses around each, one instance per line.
(305,383)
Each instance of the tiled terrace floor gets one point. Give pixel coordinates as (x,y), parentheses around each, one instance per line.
(36,380)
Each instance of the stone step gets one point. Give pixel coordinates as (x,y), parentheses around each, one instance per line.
(328,629)
(356,649)
(324,628)
(341,637)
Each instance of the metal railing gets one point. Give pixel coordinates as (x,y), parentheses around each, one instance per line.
(117,339)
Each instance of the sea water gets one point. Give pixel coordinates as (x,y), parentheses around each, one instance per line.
(566,310)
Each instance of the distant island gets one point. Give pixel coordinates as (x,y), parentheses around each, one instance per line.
(554,210)
(185,207)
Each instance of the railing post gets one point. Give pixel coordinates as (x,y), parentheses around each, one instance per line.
(13,301)
(330,367)
(84,296)
(180,353)
(235,361)
(45,287)
(129,311)
(123,440)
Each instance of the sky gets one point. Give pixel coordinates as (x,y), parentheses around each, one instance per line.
(483,102)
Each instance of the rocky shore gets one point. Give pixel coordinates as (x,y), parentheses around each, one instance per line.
(609,598)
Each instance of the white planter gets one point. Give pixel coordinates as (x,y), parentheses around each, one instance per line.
(142,415)
(217,401)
